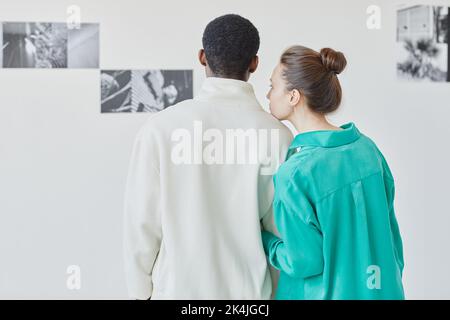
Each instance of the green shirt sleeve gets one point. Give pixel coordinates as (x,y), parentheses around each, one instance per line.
(395,230)
(298,252)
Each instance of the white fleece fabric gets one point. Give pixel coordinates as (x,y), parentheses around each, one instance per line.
(192,230)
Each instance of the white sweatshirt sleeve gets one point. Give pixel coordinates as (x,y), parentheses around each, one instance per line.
(266,195)
(142,225)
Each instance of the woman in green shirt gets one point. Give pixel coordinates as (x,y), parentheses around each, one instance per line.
(334,194)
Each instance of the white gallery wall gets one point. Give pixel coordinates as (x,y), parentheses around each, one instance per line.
(63,164)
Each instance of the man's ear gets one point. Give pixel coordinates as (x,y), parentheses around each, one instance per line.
(253,64)
(202,57)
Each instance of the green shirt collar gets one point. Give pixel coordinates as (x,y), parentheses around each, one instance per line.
(327,138)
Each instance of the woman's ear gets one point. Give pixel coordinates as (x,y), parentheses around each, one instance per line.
(202,57)
(295,97)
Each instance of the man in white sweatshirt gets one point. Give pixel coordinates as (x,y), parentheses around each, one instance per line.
(200,182)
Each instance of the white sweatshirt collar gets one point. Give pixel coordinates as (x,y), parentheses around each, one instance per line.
(230,91)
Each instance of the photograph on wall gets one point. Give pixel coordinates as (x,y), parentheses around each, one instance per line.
(1,43)
(423,53)
(49,45)
(144,90)
(34,45)
(84,46)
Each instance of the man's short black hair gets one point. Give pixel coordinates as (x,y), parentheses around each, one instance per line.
(230,42)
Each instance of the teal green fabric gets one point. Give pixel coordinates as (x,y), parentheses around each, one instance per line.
(334,210)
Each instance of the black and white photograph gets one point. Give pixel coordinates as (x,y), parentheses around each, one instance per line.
(423,53)
(144,90)
(34,45)
(83,46)
(1,43)
(49,45)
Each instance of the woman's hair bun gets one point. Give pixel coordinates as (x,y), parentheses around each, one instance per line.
(333,60)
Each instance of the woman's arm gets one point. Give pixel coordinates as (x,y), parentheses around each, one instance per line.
(298,252)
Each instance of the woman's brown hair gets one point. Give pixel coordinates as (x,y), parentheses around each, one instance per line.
(314,74)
